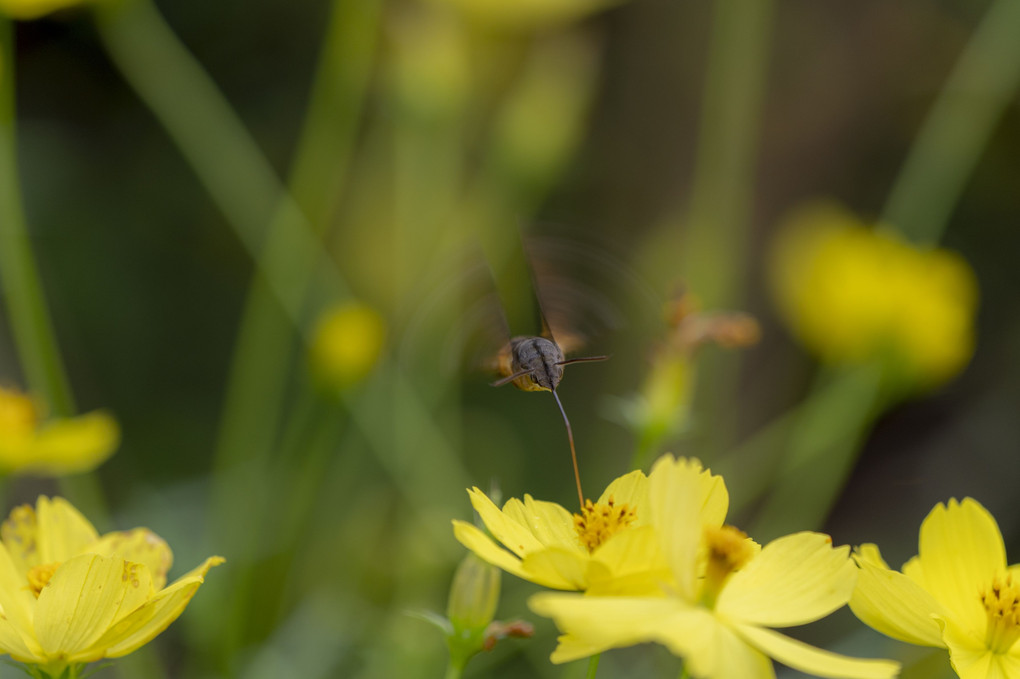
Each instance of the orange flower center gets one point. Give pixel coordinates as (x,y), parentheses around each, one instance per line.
(598,522)
(729,550)
(1002,608)
(39,576)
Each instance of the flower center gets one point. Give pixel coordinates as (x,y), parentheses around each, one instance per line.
(729,550)
(39,576)
(598,522)
(1002,607)
(18,414)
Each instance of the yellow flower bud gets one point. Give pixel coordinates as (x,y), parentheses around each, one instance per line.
(346,344)
(855,295)
(31,444)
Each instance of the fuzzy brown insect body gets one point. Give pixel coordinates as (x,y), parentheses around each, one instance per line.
(532,363)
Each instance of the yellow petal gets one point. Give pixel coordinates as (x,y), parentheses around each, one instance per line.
(62,531)
(551,524)
(16,602)
(961,550)
(630,489)
(969,655)
(629,563)
(595,624)
(478,542)
(517,537)
(140,545)
(87,594)
(142,625)
(678,493)
(19,532)
(794,580)
(606,622)
(74,445)
(895,605)
(556,565)
(814,661)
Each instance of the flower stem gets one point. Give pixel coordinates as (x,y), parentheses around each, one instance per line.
(19,275)
(23,291)
(593,666)
(957,129)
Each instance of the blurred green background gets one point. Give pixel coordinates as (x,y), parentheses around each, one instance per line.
(653,144)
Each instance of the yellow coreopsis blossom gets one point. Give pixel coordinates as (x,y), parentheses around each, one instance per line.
(346,344)
(721,597)
(28,443)
(71,597)
(853,294)
(958,593)
(604,548)
(33,9)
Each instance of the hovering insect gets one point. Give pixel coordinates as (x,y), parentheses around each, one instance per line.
(535,363)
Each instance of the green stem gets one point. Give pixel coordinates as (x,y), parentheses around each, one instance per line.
(714,249)
(23,293)
(957,129)
(593,666)
(683,672)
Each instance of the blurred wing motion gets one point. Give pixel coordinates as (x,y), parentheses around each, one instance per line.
(533,362)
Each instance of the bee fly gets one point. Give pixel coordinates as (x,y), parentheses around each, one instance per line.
(535,363)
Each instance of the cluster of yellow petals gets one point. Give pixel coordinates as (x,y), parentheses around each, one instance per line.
(958,593)
(69,596)
(664,567)
(854,294)
(29,443)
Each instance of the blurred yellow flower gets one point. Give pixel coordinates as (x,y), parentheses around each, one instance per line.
(853,295)
(526,14)
(958,593)
(346,344)
(721,595)
(61,446)
(605,548)
(33,9)
(71,597)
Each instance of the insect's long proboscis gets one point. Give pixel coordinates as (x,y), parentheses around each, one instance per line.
(573,451)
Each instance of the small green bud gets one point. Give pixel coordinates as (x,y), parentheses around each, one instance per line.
(474,594)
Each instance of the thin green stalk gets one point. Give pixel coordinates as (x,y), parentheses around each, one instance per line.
(957,129)
(714,248)
(593,666)
(711,238)
(683,672)
(239,179)
(23,293)
(830,431)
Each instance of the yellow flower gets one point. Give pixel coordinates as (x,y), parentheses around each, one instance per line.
(722,596)
(33,9)
(526,14)
(71,597)
(957,593)
(62,446)
(604,548)
(346,344)
(853,295)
